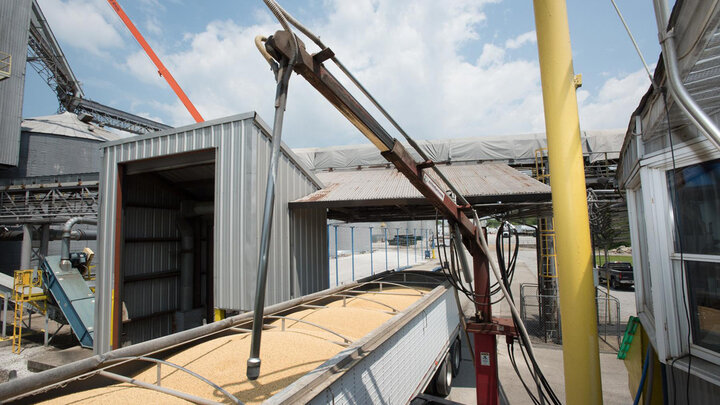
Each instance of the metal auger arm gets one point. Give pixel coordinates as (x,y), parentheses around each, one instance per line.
(311,68)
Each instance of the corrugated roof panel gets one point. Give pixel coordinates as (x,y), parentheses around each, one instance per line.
(478,180)
(67,124)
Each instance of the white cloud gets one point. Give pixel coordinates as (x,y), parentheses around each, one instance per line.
(520,40)
(153,26)
(409,55)
(491,55)
(85,24)
(614,102)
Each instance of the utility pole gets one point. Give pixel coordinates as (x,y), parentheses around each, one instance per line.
(581,358)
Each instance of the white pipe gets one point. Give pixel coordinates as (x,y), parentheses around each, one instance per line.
(66,235)
(26,247)
(677,89)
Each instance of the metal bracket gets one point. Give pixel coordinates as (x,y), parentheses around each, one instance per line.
(426,164)
(323,55)
(498,326)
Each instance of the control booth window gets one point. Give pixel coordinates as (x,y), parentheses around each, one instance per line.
(695,191)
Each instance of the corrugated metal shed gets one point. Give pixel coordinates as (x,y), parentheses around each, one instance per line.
(15,17)
(57,145)
(239,148)
(385,194)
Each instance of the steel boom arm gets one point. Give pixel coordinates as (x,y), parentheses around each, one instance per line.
(310,67)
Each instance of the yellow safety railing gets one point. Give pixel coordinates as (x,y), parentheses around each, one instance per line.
(541,171)
(27,289)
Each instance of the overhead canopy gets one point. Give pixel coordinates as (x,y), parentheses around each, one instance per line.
(598,145)
(375,194)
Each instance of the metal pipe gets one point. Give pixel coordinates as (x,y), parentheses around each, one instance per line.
(677,88)
(26,247)
(337,267)
(52,234)
(4,314)
(386,249)
(153,387)
(352,251)
(461,255)
(253,362)
(397,242)
(372,269)
(66,234)
(581,357)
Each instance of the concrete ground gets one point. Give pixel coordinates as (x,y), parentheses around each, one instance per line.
(549,356)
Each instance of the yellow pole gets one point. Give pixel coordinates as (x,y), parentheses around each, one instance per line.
(567,180)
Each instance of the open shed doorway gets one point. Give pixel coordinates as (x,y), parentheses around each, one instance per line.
(165,278)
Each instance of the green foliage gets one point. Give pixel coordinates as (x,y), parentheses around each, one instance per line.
(600,259)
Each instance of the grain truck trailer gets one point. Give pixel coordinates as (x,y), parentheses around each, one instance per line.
(383,339)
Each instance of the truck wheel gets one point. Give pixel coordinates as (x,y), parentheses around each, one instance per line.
(456,356)
(613,284)
(444,377)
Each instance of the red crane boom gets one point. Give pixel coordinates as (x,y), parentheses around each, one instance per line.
(162,70)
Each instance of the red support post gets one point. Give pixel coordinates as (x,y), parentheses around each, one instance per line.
(486,371)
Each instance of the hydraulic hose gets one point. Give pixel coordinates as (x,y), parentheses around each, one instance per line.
(643,376)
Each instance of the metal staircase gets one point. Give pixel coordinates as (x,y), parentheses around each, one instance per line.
(547,260)
(27,289)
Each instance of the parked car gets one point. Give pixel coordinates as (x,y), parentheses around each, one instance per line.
(619,274)
(404,240)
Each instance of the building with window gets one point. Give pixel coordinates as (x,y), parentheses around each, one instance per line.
(671,174)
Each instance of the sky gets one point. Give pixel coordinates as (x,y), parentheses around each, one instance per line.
(443,69)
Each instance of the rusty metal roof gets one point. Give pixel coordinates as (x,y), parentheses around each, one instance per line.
(488,182)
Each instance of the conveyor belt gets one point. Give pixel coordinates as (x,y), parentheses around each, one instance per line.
(73,296)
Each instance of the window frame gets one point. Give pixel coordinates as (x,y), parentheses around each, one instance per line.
(681,280)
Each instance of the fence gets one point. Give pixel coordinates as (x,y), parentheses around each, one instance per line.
(541,315)
(355,252)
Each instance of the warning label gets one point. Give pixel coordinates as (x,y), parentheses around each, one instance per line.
(484,359)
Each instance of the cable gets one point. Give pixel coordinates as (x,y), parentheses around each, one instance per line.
(511,355)
(674,197)
(476,221)
(637,48)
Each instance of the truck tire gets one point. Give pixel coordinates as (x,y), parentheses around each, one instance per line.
(456,356)
(614,284)
(443,377)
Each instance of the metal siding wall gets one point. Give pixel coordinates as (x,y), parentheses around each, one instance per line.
(151,214)
(242,158)
(15,17)
(106,250)
(309,249)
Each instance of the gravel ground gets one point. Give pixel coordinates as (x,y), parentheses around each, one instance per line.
(32,344)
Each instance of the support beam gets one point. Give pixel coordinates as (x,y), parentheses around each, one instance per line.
(572,229)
